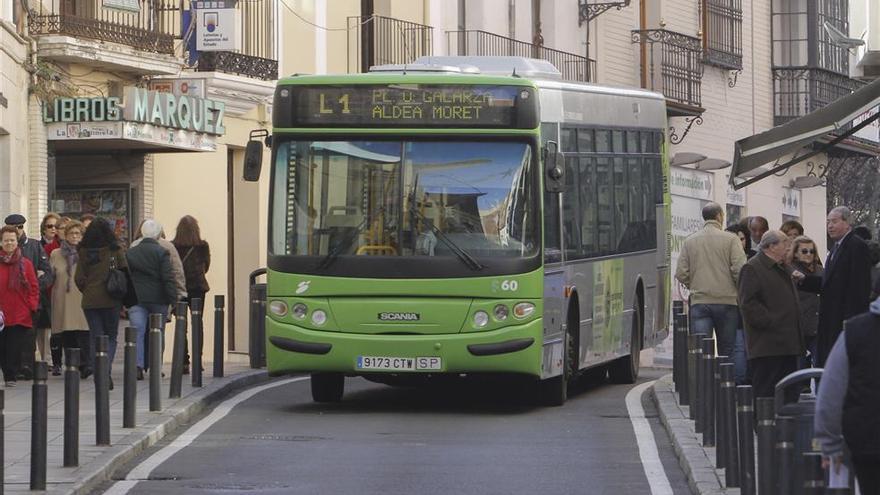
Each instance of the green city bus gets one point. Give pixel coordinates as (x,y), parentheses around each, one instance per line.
(463,216)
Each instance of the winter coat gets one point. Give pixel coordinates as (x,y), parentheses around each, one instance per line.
(67,310)
(176,265)
(196,262)
(769,305)
(18,304)
(151,274)
(809,303)
(91,276)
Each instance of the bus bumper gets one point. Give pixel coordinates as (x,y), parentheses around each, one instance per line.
(513,349)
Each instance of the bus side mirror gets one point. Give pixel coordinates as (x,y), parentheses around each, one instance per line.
(253,155)
(554,168)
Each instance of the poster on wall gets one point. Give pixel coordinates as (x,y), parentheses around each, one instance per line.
(687,218)
(111,203)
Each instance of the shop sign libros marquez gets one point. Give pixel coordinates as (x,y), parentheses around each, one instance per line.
(142,105)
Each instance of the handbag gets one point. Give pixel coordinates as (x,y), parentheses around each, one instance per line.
(117,283)
(130,299)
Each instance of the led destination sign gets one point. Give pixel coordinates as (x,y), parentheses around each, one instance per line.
(407,105)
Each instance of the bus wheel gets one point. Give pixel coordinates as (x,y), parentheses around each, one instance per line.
(626,369)
(327,387)
(554,391)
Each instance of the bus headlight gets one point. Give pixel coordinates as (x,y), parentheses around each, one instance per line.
(319,317)
(523,310)
(481,318)
(278,308)
(299,311)
(501,312)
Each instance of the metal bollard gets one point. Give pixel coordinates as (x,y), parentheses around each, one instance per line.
(696,356)
(219,318)
(71,407)
(677,310)
(814,475)
(39,425)
(195,311)
(708,401)
(174,388)
(727,410)
(2,439)
(682,332)
(785,461)
(129,379)
(720,438)
(765,431)
(102,391)
(257,321)
(155,362)
(745,411)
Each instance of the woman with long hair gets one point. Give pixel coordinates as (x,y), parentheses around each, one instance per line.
(196,257)
(19,297)
(804,257)
(99,251)
(68,320)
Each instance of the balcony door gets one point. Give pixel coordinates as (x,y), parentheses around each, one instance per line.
(79,8)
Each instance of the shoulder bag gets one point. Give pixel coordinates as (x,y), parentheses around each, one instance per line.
(117,282)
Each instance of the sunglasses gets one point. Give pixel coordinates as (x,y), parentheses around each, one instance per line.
(808,251)
(51,226)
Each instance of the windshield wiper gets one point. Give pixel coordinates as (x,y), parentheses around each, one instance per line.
(344,244)
(463,255)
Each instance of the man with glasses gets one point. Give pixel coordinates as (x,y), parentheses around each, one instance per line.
(32,250)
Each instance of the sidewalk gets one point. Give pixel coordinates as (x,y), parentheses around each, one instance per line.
(96,463)
(697,462)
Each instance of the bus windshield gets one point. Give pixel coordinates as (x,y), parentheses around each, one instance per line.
(465,199)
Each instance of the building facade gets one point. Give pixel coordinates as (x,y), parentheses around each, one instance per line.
(133,110)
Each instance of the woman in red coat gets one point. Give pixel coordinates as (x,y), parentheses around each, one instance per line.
(19,297)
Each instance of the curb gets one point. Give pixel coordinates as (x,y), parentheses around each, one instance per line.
(143,437)
(697,462)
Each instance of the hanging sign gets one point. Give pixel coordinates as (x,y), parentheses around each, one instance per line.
(217,25)
(791,202)
(690,183)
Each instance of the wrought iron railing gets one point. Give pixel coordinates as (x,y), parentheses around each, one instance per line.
(798,91)
(475,43)
(673,65)
(377,40)
(150,25)
(238,63)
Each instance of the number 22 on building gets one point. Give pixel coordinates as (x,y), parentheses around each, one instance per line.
(343,100)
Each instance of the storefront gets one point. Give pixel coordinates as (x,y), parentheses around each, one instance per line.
(101,150)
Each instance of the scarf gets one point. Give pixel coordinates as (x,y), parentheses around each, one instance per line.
(17,278)
(72,257)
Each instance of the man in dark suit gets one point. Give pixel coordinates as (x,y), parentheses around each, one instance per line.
(845,286)
(769,305)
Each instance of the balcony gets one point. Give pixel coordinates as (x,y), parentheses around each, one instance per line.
(798,91)
(257,58)
(140,40)
(377,40)
(482,43)
(672,64)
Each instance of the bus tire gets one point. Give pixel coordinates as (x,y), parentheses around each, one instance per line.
(626,369)
(327,387)
(554,391)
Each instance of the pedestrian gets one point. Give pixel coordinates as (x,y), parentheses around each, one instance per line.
(47,341)
(804,257)
(845,285)
(196,256)
(709,265)
(98,252)
(848,402)
(740,355)
(19,298)
(757,227)
(769,303)
(68,319)
(33,251)
(150,266)
(792,228)
(86,220)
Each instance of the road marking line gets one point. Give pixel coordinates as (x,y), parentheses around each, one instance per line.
(648,453)
(142,471)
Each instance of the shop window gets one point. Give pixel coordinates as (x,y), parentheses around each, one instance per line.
(722,33)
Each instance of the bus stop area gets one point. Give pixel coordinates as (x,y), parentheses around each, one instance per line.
(96,463)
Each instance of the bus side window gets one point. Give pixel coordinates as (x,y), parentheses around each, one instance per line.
(588,210)
(604,196)
(571,209)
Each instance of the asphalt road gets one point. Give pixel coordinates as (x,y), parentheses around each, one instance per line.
(466,439)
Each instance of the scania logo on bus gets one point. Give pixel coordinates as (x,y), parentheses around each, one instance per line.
(399,317)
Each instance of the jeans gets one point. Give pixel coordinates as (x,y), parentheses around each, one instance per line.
(724,318)
(139,315)
(102,321)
